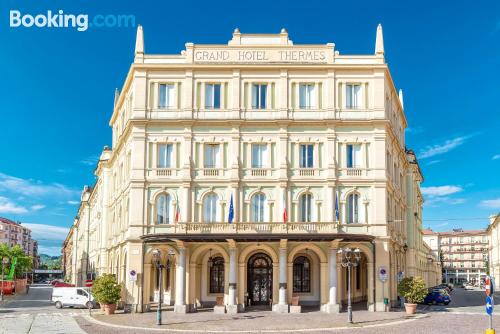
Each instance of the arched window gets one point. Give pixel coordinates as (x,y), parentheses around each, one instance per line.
(210,208)
(216,275)
(305,208)
(163,204)
(257,208)
(352,209)
(301,274)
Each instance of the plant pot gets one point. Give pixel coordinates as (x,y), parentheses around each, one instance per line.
(410,308)
(102,307)
(109,309)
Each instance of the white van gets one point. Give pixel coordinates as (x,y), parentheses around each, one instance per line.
(69,296)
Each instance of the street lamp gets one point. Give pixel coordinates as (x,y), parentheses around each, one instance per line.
(160,266)
(349,258)
(5,261)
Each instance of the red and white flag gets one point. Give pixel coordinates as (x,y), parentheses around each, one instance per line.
(177,210)
(285,214)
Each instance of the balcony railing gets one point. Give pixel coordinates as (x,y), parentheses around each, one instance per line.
(249,228)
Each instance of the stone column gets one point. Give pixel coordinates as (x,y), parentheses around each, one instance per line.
(332,306)
(233,279)
(282,306)
(180,282)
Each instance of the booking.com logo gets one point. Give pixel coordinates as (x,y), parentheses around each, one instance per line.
(60,19)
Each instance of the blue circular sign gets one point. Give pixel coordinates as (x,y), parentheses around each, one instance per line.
(489,305)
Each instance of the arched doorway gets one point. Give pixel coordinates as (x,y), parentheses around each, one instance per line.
(260,279)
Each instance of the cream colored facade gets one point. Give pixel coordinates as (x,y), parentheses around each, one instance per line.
(494,249)
(263,125)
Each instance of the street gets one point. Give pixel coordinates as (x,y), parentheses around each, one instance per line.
(34,313)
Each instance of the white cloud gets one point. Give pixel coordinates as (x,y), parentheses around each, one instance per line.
(440,191)
(433,162)
(7,206)
(47,232)
(496,157)
(415,130)
(491,203)
(72,202)
(445,147)
(90,160)
(34,188)
(37,207)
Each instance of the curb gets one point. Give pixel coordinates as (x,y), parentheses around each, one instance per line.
(328,329)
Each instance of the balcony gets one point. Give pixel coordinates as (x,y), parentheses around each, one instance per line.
(210,172)
(259,172)
(164,172)
(306,172)
(246,228)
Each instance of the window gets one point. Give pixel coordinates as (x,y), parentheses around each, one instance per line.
(307,96)
(163,204)
(210,208)
(259,98)
(353,156)
(353,96)
(216,275)
(212,96)
(167,96)
(301,274)
(305,208)
(259,155)
(306,156)
(353,209)
(165,156)
(211,155)
(257,208)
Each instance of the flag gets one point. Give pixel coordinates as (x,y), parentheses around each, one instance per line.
(336,207)
(177,210)
(231,211)
(285,214)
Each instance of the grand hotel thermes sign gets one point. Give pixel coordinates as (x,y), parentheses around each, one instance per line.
(262,55)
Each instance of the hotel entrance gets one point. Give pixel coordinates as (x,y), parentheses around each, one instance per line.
(260,279)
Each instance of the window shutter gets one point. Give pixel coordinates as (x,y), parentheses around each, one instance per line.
(293,104)
(339,99)
(179,95)
(245,96)
(226,95)
(198,95)
(320,95)
(273,88)
(366,92)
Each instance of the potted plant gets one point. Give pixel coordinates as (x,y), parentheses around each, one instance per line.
(107,292)
(414,291)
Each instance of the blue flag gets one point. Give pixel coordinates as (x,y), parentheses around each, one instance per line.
(336,207)
(231,211)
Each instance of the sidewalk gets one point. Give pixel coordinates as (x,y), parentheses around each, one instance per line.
(253,321)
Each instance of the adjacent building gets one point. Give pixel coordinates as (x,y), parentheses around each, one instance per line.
(463,254)
(249,166)
(13,233)
(494,249)
(67,256)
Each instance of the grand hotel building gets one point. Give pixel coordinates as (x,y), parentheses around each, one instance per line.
(252,163)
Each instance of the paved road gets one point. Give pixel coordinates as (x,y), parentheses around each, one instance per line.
(464,301)
(35,314)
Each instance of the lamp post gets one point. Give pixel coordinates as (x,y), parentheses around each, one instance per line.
(5,261)
(349,258)
(160,266)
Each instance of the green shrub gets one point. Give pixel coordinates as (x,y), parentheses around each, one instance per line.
(412,289)
(106,290)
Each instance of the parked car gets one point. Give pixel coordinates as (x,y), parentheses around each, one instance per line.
(468,286)
(437,296)
(62,285)
(72,297)
(443,286)
(53,282)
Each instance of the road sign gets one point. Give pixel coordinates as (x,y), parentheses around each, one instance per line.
(401,275)
(488,286)
(133,275)
(383,275)
(489,305)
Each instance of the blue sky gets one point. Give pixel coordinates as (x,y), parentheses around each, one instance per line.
(57,92)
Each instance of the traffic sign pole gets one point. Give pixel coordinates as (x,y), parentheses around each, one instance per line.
(488,289)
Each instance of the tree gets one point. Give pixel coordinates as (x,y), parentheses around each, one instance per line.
(24,262)
(413,289)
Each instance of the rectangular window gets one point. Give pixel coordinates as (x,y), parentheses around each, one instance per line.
(165,156)
(212,96)
(259,155)
(167,96)
(307,96)
(353,156)
(306,156)
(259,96)
(211,156)
(353,96)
